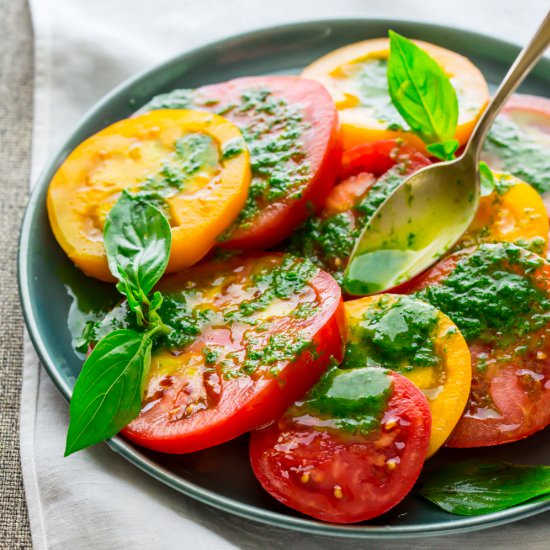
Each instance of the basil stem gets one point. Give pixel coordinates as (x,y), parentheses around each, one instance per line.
(109,390)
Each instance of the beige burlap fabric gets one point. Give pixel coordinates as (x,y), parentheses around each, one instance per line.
(16,77)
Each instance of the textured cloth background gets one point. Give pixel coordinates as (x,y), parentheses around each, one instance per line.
(16,76)
(95,499)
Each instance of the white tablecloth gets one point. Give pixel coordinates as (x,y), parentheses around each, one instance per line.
(94,499)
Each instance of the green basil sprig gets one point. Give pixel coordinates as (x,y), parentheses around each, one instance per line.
(109,389)
(477,487)
(423,95)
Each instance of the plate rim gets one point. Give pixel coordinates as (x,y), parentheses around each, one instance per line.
(251,512)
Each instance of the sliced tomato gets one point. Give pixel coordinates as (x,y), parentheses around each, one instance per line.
(311,462)
(329,237)
(355,76)
(379,156)
(172,157)
(250,336)
(499,296)
(421,343)
(519,142)
(514,212)
(290,126)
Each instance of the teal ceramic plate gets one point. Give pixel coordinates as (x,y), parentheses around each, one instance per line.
(52,289)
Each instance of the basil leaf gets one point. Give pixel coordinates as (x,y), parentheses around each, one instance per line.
(108,392)
(486,179)
(137,241)
(444,150)
(421,91)
(480,487)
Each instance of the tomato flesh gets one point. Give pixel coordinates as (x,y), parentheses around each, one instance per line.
(290,125)
(345,477)
(379,156)
(513,212)
(247,359)
(510,394)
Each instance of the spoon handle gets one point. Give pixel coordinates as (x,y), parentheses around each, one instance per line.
(518,71)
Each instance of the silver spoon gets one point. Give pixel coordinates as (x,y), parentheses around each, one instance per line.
(427,214)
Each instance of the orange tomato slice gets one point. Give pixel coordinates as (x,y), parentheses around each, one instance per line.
(355,75)
(514,213)
(446,383)
(177,158)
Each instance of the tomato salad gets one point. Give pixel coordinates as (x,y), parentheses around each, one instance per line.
(227,215)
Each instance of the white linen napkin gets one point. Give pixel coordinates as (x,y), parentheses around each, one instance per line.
(83,48)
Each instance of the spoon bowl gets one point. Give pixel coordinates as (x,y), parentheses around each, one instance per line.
(415,226)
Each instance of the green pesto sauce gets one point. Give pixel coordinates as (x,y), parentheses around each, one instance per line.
(372,90)
(177,99)
(279,349)
(396,334)
(194,153)
(487,300)
(272,130)
(329,241)
(520,154)
(285,280)
(380,191)
(354,400)
(91,301)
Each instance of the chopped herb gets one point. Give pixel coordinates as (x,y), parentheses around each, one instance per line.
(491,292)
(276,351)
(394,333)
(511,149)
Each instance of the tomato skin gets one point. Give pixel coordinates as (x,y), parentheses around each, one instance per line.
(244,402)
(509,399)
(340,478)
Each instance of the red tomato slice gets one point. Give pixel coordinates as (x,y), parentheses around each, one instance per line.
(510,395)
(379,156)
(255,334)
(519,142)
(290,125)
(339,476)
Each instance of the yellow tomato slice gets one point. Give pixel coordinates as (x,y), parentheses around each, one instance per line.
(175,157)
(514,213)
(445,382)
(355,75)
